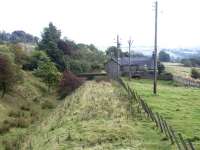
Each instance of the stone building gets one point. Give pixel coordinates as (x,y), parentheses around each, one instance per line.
(139,67)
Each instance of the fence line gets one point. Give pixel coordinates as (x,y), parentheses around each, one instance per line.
(160,122)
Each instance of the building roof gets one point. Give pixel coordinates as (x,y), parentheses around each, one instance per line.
(141,61)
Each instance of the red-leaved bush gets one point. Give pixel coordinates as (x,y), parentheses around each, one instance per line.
(68,83)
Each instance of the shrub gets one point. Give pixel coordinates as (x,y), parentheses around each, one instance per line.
(4,128)
(165,76)
(161,68)
(79,66)
(47,105)
(10,144)
(9,74)
(195,73)
(14,114)
(36,58)
(23,122)
(69,83)
(20,122)
(11,123)
(20,55)
(48,72)
(25,107)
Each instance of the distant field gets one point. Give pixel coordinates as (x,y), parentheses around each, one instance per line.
(178,69)
(180,106)
(95,117)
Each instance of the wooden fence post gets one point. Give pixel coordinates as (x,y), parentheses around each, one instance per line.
(191,145)
(175,138)
(182,141)
(169,133)
(164,127)
(159,121)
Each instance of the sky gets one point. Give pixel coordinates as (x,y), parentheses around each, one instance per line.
(99,21)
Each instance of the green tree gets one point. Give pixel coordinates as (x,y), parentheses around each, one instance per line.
(49,43)
(48,72)
(163,56)
(50,38)
(113,51)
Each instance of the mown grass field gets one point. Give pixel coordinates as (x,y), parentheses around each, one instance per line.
(179,69)
(96,116)
(180,106)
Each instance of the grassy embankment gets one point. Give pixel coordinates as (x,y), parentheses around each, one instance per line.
(26,104)
(96,116)
(180,106)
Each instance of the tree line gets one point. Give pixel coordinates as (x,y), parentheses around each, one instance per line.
(55,60)
(17,36)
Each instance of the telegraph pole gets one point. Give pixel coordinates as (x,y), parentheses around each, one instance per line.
(130,42)
(155,50)
(118,47)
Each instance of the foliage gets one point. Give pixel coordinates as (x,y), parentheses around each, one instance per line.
(9,74)
(21,57)
(50,37)
(18,36)
(35,59)
(66,54)
(67,46)
(165,76)
(195,73)
(161,68)
(79,66)
(113,52)
(49,43)
(163,56)
(47,105)
(48,72)
(68,83)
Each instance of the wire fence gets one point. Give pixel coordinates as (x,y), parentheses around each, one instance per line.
(160,123)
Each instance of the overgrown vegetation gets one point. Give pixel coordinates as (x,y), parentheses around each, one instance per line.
(68,83)
(49,73)
(96,116)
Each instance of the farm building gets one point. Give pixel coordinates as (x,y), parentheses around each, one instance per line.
(139,66)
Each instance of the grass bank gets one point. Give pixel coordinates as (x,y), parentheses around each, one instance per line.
(96,116)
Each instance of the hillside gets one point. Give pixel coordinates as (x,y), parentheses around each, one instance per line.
(178,105)
(96,116)
(22,107)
